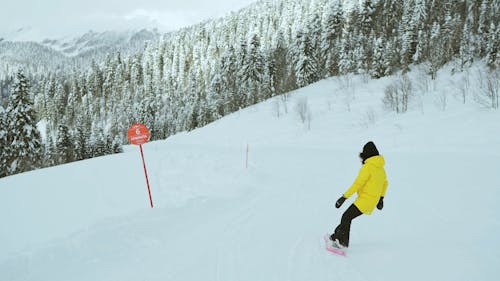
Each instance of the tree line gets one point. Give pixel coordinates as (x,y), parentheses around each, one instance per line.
(201,73)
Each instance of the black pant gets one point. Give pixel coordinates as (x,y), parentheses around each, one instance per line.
(343,229)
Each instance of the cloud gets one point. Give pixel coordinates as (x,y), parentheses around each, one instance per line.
(55,18)
(167,20)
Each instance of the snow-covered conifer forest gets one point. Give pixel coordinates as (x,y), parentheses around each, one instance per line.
(57,107)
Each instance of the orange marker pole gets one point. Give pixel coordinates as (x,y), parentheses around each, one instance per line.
(138,134)
(146,173)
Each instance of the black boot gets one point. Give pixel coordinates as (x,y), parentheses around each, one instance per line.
(332,237)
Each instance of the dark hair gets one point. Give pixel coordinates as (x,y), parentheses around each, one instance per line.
(369,150)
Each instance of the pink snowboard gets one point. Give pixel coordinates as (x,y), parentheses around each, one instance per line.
(332,249)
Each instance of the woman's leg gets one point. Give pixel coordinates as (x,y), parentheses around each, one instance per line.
(343,229)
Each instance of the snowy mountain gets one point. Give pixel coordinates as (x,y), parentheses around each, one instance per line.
(24,48)
(21,34)
(65,53)
(214,219)
(28,55)
(105,42)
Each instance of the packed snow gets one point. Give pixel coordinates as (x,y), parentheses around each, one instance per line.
(217,219)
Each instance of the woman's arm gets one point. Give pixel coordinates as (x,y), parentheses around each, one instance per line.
(359,182)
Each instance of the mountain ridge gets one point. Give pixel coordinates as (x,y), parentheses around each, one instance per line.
(59,53)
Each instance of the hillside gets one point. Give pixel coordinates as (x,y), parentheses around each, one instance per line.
(201,73)
(214,219)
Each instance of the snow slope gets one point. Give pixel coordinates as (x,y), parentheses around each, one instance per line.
(214,219)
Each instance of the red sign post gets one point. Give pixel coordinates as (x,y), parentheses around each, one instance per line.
(138,134)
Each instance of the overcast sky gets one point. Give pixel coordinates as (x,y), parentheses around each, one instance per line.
(56,18)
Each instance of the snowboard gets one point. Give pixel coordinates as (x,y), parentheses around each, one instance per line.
(330,248)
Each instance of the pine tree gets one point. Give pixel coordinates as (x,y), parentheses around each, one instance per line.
(345,59)
(215,97)
(390,58)
(49,112)
(159,62)
(366,18)
(466,52)
(492,46)
(191,104)
(449,28)
(483,26)
(204,114)
(305,65)
(269,82)
(361,58)
(391,14)
(330,38)
(136,75)
(59,103)
(64,145)
(3,143)
(228,76)
(97,143)
(49,152)
(279,54)
(377,68)
(418,21)
(116,146)
(314,31)
(39,100)
(407,31)
(253,70)
(241,58)
(81,139)
(74,99)
(421,48)
(24,138)
(436,55)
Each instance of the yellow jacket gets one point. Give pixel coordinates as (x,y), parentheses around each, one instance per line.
(370,184)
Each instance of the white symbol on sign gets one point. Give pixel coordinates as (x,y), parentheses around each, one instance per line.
(137,131)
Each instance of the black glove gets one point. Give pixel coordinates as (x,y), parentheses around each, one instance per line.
(340,202)
(380,204)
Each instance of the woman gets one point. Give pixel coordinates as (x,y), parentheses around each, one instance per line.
(371,185)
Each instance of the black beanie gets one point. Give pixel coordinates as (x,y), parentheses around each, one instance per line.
(369,150)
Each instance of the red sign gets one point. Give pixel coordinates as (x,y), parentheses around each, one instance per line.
(138,134)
